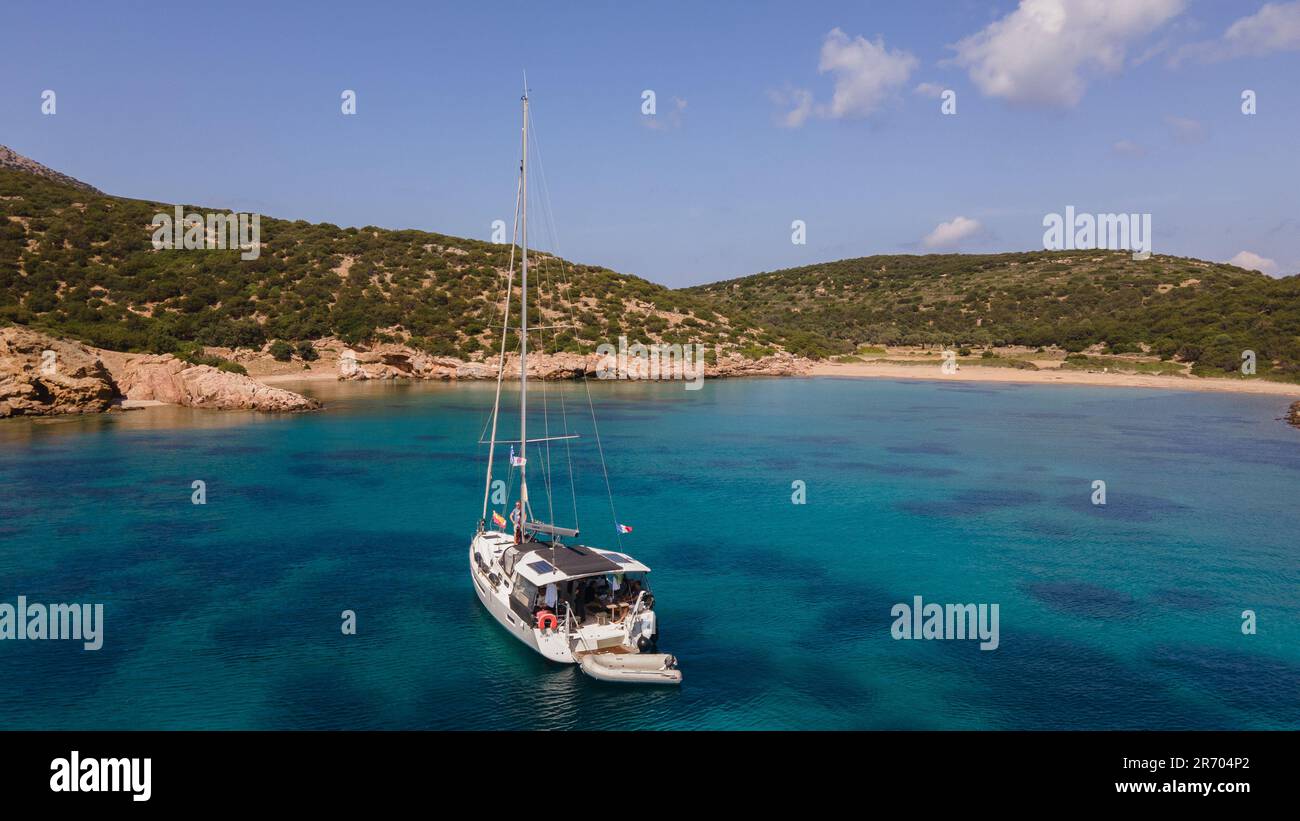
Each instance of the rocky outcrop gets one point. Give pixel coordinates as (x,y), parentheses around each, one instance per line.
(1294,415)
(549,366)
(779,364)
(42,376)
(392,361)
(396,361)
(168,379)
(149,377)
(13,160)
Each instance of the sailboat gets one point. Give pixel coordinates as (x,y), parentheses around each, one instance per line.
(572,603)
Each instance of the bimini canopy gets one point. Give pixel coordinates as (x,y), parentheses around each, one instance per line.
(556,564)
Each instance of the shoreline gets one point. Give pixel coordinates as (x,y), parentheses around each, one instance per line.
(966,373)
(1049,372)
(1054,376)
(151,413)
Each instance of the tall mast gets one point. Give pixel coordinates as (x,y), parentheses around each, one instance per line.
(523,329)
(501,362)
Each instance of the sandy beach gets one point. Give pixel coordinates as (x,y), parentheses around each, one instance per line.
(1049,372)
(966,373)
(1053,376)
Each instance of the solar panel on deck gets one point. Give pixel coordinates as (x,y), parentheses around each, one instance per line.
(619,557)
(577,560)
(542,567)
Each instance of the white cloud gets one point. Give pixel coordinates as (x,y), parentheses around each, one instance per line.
(865,74)
(671,120)
(1129,148)
(1040,53)
(1275,27)
(950,234)
(799,102)
(1186,130)
(929,90)
(1254,262)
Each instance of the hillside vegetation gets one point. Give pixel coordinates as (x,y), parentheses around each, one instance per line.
(82,264)
(1194,311)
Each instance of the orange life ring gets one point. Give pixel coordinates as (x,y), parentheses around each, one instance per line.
(547,616)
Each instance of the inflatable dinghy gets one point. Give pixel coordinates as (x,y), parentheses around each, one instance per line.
(632,668)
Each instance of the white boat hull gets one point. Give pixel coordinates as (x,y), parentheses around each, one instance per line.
(558,644)
(549,643)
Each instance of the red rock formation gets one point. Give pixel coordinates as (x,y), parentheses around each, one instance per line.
(42,375)
(168,379)
(70,378)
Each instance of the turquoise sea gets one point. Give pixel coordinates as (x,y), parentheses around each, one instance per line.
(227,615)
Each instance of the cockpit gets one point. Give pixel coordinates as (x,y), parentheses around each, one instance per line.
(592,586)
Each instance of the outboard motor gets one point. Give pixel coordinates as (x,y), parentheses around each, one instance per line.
(649,631)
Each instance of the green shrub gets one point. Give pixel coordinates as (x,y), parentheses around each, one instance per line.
(281,351)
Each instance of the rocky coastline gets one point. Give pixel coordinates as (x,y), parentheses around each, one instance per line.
(396,361)
(41,375)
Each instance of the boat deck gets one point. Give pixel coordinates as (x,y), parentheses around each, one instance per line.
(617,649)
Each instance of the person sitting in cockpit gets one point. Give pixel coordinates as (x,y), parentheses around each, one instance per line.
(633,589)
(585,598)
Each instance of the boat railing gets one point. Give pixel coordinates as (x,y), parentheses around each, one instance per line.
(568,625)
(633,613)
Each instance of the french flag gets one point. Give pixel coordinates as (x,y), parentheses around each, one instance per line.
(623,528)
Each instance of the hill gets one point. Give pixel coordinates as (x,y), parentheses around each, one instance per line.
(77,262)
(12,160)
(1172,307)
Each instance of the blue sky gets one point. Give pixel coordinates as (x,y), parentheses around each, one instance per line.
(767,113)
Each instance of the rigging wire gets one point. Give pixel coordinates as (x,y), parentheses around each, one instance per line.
(548,296)
(505,323)
(546,415)
(586,382)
